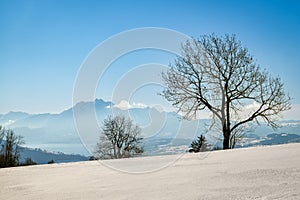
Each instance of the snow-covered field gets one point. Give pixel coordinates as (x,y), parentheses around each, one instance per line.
(271,172)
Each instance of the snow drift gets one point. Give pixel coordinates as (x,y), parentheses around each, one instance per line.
(269,172)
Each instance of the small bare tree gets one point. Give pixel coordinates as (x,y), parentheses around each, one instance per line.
(120,138)
(218,74)
(9,148)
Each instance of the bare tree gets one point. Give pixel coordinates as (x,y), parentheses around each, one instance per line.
(10,148)
(237,135)
(2,133)
(120,138)
(218,74)
(104,148)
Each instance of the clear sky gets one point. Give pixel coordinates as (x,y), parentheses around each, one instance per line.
(43,43)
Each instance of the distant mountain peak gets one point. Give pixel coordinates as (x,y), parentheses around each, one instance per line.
(103,103)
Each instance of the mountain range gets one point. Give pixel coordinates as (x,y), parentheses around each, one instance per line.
(164,132)
(43,157)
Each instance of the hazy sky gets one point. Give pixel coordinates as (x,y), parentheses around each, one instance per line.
(43,43)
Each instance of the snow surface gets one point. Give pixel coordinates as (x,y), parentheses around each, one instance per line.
(269,172)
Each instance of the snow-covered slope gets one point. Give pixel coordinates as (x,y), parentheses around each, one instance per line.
(269,172)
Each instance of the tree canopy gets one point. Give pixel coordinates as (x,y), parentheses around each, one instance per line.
(219,75)
(120,138)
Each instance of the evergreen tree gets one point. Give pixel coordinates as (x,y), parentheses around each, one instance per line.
(199,145)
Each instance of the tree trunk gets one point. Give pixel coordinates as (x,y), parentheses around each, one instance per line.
(119,153)
(226,139)
(115,152)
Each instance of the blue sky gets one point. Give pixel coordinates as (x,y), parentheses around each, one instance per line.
(43,43)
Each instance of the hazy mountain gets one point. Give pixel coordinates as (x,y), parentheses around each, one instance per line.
(43,157)
(12,117)
(57,132)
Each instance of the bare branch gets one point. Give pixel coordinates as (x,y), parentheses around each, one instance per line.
(120,138)
(219,75)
